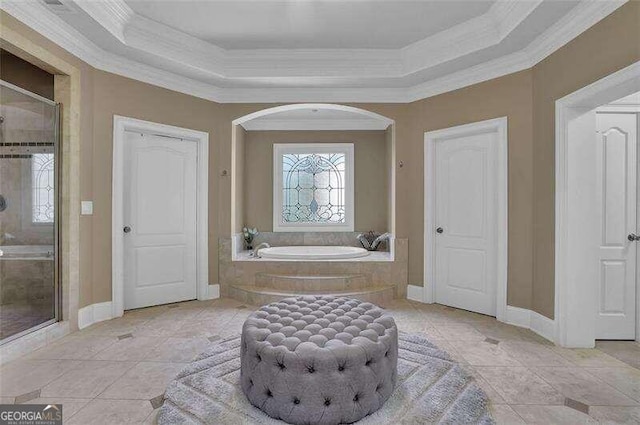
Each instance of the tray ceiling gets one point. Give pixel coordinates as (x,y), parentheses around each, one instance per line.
(311,50)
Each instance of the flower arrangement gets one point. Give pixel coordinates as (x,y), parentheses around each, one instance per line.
(248,234)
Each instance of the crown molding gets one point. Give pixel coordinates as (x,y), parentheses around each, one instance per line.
(314,124)
(136,31)
(476,34)
(113,15)
(35,15)
(582,17)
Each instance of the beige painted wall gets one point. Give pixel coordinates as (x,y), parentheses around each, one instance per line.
(508,96)
(371,199)
(609,46)
(526,98)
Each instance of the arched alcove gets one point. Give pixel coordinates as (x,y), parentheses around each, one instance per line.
(308,116)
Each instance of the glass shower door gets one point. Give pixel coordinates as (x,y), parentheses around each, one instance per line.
(29,295)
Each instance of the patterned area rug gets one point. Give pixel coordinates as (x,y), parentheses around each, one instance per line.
(431,389)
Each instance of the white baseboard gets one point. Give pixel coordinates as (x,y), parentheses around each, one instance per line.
(94,313)
(529,319)
(415,293)
(214,292)
(516,316)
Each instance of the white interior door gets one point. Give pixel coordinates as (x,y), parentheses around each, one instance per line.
(465,220)
(617,199)
(160,220)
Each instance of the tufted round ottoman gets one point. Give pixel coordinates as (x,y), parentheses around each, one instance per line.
(319,359)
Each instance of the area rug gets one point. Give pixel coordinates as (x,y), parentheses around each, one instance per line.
(431,389)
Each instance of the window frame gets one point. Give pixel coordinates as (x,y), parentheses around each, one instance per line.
(280,149)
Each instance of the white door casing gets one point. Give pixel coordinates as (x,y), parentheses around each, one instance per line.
(160,217)
(617,203)
(466,199)
(576,249)
(121,127)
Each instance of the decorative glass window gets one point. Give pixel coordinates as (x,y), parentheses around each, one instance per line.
(42,182)
(313,187)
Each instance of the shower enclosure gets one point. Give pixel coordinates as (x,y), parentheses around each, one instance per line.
(29,288)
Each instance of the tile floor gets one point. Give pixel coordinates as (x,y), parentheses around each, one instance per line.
(116,371)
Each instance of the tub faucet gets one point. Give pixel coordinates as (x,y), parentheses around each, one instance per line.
(372,245)
(383,237)
(255,254)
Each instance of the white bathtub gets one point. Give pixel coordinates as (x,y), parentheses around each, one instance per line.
(312,252)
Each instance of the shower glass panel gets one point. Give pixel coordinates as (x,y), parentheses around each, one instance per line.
(29,295)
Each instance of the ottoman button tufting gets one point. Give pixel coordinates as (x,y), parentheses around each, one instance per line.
(310,338)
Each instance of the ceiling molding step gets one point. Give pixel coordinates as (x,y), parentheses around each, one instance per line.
(578,20)
(113,15)
(313,94)
(476,34)
(477,74)
(37,16)
(508,15)
(313,124)
(175,46)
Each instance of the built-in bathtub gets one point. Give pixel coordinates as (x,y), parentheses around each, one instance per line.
(312,253)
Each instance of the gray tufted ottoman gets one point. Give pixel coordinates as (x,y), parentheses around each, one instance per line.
(319,359)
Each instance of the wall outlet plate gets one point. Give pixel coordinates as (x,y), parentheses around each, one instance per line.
(86,207)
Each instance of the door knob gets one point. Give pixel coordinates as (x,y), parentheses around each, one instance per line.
(126,229)
(633,237)
(439,230)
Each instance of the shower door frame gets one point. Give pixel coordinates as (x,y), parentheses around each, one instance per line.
(57,157)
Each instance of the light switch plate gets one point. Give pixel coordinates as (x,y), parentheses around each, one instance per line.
(86,207)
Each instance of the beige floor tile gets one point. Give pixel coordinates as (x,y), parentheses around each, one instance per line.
(181,313)
(588,357)
(579,384)
(517,370)
(115,327)
(533,354)
(178,350)
(199,329)
(480,353)
(625,380)
(412,326)
(130,349)
(616,415)
(159,327)
(446,346)
(556,415)
(25,376)
(75,347)
(460,332)
(146,313)
(86,380)
(112,412)
(626,351)
(144,381)
(518,385)
(432,335)
(504,415)
(492,394)
(70,406)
